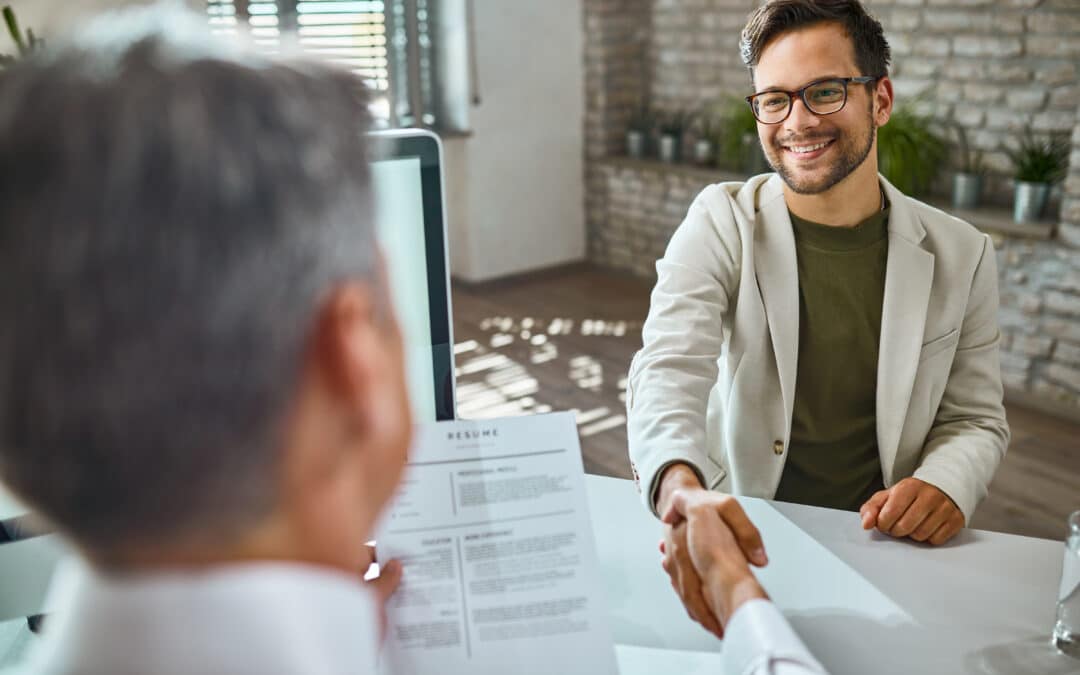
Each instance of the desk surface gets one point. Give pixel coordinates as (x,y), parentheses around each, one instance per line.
(863,602)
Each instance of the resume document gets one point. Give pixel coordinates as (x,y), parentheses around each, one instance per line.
(500,573)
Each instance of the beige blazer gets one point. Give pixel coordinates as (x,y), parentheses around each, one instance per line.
(714,383)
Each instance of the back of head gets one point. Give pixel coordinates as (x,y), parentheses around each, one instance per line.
(774,17)
(171,212)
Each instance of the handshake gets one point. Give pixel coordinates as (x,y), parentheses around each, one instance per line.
(709,542)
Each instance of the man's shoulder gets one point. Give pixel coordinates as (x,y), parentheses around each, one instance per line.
(736,198)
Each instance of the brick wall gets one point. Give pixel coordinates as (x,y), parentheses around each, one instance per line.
(990,66)
(616,32)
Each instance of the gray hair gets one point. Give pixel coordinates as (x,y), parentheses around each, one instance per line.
(170,219)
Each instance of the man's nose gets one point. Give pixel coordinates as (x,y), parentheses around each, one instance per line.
(801,117)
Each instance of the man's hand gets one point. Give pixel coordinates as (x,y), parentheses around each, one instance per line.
(676,561)
(720,542)
(383,585)
(674,546)
(913,508)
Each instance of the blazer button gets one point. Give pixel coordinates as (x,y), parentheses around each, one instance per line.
(778,447)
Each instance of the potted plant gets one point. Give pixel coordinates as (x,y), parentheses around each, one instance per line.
(672,126)
(640,126)
(910,153)
(706,140)
(1040,162)
(25,44)
(741,149)
(968,179)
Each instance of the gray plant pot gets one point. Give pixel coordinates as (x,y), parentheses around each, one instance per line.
(1029,201)
(635,143)
(669,148)
(703,151)
(966,188)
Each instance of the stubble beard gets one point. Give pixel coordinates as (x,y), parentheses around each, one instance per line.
(852,154)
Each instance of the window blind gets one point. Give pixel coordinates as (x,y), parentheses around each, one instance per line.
(350,33)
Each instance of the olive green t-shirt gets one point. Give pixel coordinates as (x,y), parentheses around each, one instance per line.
(833,453)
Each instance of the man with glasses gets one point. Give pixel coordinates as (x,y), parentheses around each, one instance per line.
(815,335)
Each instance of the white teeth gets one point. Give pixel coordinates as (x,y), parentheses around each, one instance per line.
(807,148)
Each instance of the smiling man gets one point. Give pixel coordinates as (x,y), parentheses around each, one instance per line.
(815,335)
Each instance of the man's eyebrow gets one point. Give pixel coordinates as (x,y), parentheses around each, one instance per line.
(808,82)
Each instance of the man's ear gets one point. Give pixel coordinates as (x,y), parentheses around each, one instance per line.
(347,343)
(883,101)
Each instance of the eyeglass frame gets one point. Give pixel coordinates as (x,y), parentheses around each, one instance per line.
(801,95)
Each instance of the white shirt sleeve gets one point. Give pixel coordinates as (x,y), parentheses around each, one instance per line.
(759,641)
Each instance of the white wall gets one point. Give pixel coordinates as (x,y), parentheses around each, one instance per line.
(48,17)
(517,201)
(514,188)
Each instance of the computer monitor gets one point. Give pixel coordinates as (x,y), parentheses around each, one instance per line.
(411,228)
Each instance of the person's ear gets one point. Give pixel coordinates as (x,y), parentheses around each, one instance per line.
(346,342)
(360,358)
(883,101)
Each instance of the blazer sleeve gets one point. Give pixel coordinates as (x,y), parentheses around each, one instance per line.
(969,436)
(672,375)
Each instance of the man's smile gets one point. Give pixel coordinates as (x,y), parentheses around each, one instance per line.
(807,149)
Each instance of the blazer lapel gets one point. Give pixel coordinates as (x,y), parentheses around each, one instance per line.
(778,280)
(909,275)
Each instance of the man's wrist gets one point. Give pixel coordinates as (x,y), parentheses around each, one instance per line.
(727,592)
(675,476)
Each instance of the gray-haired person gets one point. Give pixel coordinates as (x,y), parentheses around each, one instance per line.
(201,382)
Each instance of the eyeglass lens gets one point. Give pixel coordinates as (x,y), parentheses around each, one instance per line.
(821,97)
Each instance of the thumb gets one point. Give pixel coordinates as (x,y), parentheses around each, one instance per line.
(746,534)
(870,510)
(387,582)
(676,510)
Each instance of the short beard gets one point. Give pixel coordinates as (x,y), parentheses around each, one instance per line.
(850,159)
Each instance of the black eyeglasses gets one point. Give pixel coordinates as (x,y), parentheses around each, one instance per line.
(822,97)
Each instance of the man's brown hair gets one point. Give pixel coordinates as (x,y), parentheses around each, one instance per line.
(872,55)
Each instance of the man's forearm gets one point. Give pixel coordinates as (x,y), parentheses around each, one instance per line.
(676,476)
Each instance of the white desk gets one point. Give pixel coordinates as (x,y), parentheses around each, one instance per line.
(863,602)
(9,507)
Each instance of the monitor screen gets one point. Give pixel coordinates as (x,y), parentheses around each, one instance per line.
(407,186)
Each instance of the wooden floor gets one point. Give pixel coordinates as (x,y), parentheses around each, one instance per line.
(563,340)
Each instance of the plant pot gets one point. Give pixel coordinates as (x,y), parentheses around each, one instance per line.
(966,188)
(703,151)
(669,148)
(1029,201)
(635,144)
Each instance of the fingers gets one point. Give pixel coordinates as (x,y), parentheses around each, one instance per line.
(932,522)
(387,582)
(952,525)
(699,504)
(748,536)
(925,504)
(684,579)
(677,507)
(872,508)
(901,496)
(916,509)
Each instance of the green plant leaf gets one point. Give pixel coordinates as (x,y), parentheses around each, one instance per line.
(13,29)
(910,153)
(1040,159)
